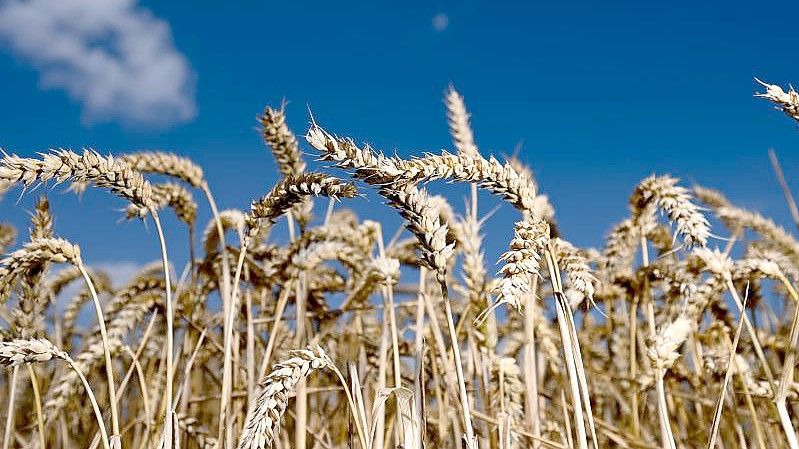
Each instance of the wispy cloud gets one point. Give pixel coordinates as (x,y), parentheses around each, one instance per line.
(113,56)
(440,22)
(120,271)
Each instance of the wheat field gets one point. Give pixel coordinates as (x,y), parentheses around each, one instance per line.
(343,334)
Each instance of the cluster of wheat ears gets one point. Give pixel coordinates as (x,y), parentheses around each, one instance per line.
(337,336)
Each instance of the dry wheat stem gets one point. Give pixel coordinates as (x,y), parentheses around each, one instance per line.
(37,398)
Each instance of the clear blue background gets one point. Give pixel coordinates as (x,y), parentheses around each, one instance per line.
(598,94)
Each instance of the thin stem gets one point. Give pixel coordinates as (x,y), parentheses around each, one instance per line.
(353,406)
(633,340)
(37,399)
(251,380)
(280,307)
(568,352)
(225,290)
(530,366)
(751,330)
(123,385)
(379,419)
(227,365)
(142,386)
(97,414)
(720,404)
(471,440)
(301,398)
(667,437)
(786,377)
(109,363)
(775,163)
(12,396)
(170,316)
(388,299)
(418,387)
(225,287)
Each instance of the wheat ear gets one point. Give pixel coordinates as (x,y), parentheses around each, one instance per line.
(31,257)
(490,174)
(662,192)
(39,251)
(286,151)
(89,168)
(230,219)
(663,353)
(8,234)
(266,413)
(164,163)
(290,191)
(282,141)
(30,315)
(459,127)
(737,219)
(474,277)
(521,261)
(575,265)
(787,102)
(711,197)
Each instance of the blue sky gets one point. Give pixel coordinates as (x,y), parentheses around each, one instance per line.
(598,94)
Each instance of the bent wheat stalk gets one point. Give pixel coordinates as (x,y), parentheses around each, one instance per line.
(285,195)
(39,251)
(15,352)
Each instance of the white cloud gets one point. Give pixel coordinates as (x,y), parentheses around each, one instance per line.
(120,272)
(440,22)
(113,56)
